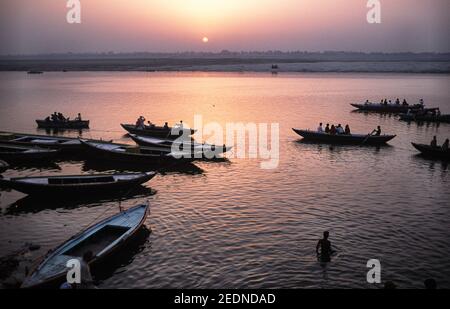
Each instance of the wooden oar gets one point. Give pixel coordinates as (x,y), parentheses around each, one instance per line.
(365,140)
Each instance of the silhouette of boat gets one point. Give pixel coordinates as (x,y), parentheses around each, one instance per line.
(156,131)
(73,185)
(66,124)
(103,239)
(432,152)
(344,138)
(18,154)
(386,108)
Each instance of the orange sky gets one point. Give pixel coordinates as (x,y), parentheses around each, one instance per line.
(179,25)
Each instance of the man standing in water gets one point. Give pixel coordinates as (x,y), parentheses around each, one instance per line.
(325,248)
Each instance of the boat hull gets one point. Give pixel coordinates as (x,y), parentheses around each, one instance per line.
(432,152)
(355,139)
(38,278)
(196,150)
(77,190)
(381,108)
(156,131)
(135,157)
(71,124)
(16,154)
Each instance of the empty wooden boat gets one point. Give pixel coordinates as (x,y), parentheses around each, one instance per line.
(156,131)
(77,185)
(64,144)
(135,155)
(102,239)
(17,154)
(201,150)
(67,124)
(344,138)
(386,108)
(433,152)
(3,166)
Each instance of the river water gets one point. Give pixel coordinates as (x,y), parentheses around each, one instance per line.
(231,224)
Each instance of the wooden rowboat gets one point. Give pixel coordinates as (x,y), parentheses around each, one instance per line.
(344,138)
(386,108)
(76,185)
(18,154)
(432,152)
(64,144)
(203,150)
(135,155)
(102,239)
(67,124)
(155,131)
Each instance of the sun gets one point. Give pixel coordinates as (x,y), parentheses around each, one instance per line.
(205,39)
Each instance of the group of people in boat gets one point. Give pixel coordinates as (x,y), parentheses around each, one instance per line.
(337,130)
(140,124)
(334,130)
(397,102)
(434,144)
(59,117)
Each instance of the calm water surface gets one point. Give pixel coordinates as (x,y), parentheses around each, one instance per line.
(231,224)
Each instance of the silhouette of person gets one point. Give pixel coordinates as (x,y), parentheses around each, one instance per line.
(325,248)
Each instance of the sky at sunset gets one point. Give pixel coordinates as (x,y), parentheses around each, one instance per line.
(40,26)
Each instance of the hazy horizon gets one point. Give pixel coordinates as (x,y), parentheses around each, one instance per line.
(159,26)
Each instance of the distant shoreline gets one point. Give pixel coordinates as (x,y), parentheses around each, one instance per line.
(118,65)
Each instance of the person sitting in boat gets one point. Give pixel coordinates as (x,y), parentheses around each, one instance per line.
(445,145)
(390,102)
(339,129)
(376,132)
(347,130)
(47,119)
(325,248)
(150,124)
(367,102)
(405,103)
(433,142)
(140,123)
(327,128)
(78,118)
(320,128)
(166,125)
(397,101)
(385,102)
(333,130)
(54,116)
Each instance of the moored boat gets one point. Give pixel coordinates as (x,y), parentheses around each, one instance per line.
(204,150)
(77,185)
(102,239)
(18,154)
(134,155)
(361,139)
(64,144)
(157,131)
(386,108)
(434,152)
(66,124)
(3,166)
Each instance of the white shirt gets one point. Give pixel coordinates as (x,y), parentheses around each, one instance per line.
(320,129)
